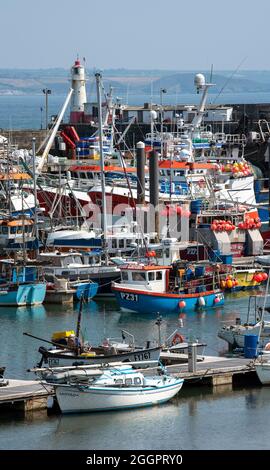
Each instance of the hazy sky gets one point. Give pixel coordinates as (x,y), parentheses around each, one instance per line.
(167,34)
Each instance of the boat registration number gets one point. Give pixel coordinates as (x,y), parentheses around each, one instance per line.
(142,356)
(132,297)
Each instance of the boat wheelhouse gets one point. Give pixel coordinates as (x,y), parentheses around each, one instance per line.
(17,234)
(12,196)
(77,266)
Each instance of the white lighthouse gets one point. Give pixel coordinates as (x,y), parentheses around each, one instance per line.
(78,98)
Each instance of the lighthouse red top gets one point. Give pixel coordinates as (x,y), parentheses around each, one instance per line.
(77,63)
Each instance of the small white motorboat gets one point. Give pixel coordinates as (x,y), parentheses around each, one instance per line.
(255,324)
(116,388)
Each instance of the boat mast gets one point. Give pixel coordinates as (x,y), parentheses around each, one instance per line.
(35,191)
(103,187)
(200,84)
(53,133)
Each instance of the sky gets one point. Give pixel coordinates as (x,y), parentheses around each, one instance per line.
(138,34)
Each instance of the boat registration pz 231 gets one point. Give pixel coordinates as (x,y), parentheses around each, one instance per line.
(127,296)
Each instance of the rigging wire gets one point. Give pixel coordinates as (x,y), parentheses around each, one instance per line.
(229,79)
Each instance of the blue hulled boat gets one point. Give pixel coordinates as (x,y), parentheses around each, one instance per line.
(20,285)
(145,289)
(22,294)
(86,289)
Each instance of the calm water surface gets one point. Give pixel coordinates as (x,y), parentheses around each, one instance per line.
(196,419)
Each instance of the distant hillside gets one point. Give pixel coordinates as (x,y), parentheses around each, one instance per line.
(20,81)
(184,83)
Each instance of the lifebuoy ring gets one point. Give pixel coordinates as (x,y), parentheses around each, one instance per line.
(177,339)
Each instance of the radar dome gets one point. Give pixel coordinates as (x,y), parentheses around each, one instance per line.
(199,80)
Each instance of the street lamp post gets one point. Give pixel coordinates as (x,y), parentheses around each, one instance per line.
(41,119)
(46,92)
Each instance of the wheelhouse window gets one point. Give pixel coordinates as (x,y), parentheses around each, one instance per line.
(124,276)
(159,275)
(138,276)
(137,381)
(151,276)
(121,243)
(128,381)
(119,381)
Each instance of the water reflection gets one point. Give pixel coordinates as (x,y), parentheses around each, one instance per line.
(197,418)
(21,312)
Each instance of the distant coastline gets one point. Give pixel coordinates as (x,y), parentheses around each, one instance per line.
(132,82)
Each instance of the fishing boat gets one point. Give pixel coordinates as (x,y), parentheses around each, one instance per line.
(16,233)
(20,285)
(255,324)
(86,289)
(76,266)
(174,348)
(59,357)
(116,388)
(13,199)
(70,350)
(145,289)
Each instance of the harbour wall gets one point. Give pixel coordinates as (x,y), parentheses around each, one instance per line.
(23,137)
(245,118)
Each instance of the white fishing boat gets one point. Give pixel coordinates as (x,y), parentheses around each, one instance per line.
(75,266)
(117,388)
(235,334)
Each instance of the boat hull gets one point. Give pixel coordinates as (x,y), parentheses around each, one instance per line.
(149,302)
(235,336)
(24,294)
(54,359)
(263,372)
(86,290)
(87,399)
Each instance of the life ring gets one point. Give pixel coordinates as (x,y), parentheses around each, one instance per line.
(177,339)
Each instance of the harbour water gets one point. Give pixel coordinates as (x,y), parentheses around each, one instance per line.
(234,419)
(198,418)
